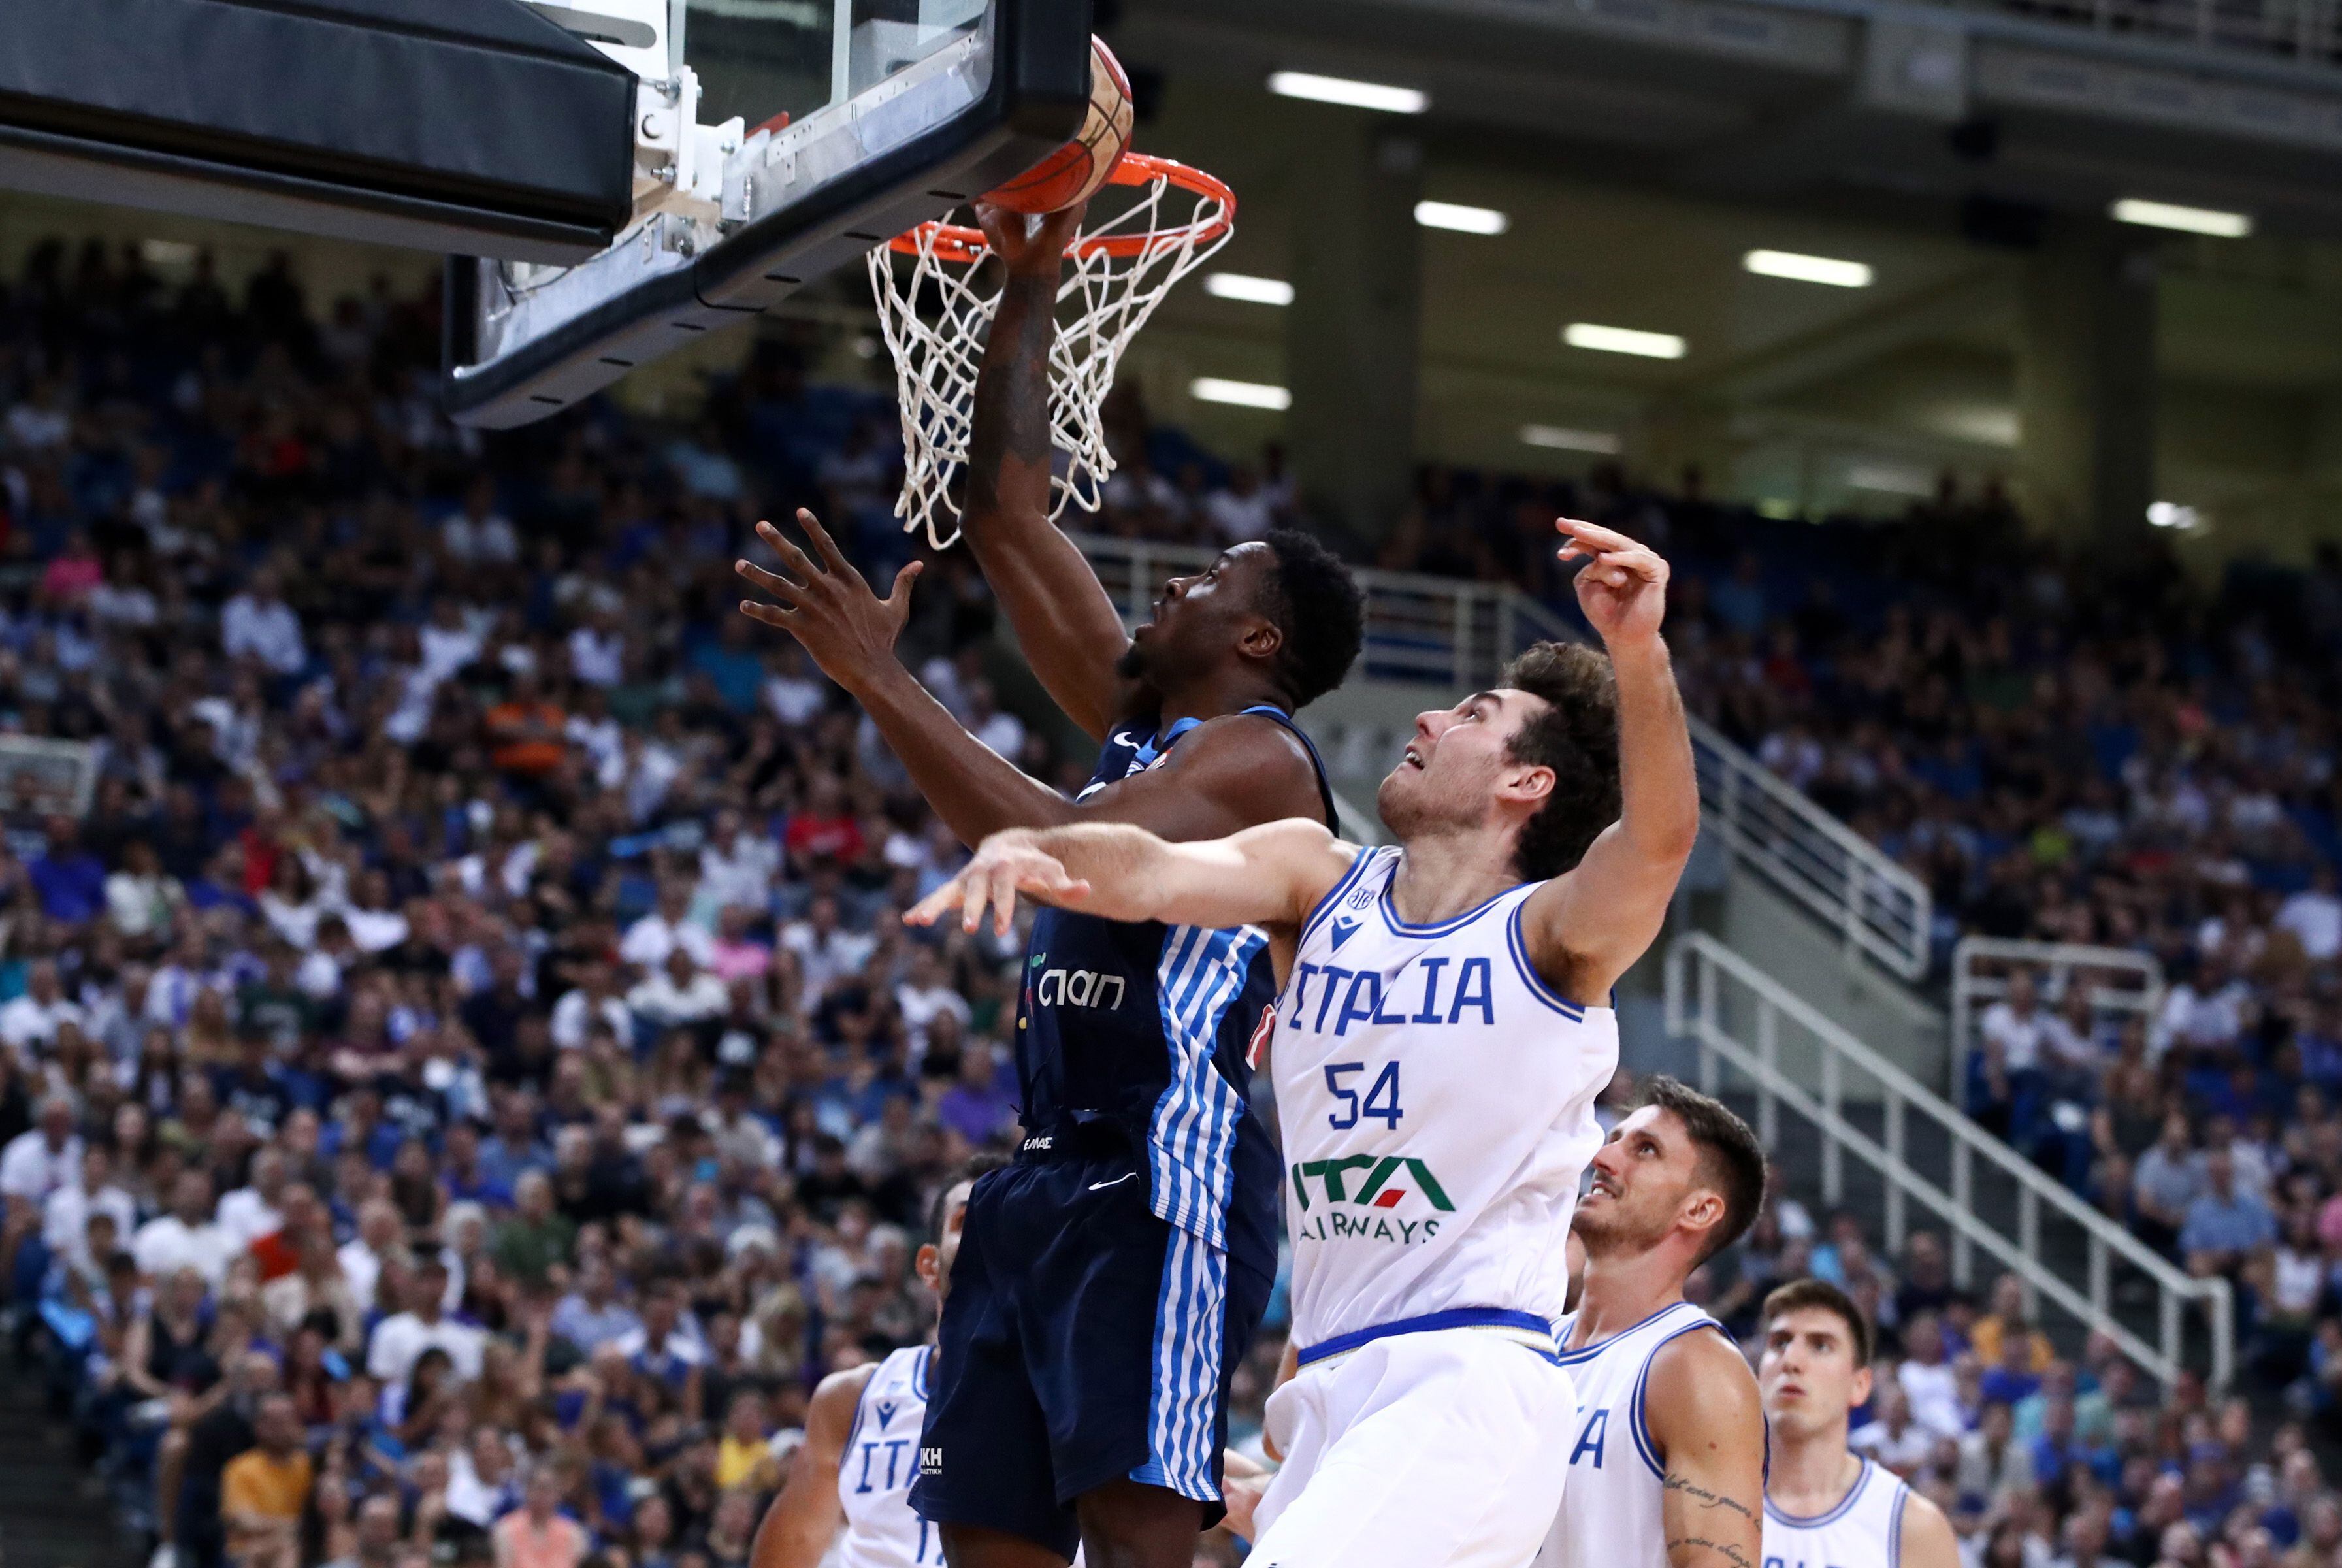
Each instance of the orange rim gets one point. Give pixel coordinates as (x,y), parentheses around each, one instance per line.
(964,246)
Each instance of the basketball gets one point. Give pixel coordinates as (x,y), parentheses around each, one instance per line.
(1074,172)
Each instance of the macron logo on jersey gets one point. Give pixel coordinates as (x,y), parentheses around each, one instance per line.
(1343,930)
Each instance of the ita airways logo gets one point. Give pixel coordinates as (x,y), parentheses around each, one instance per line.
(1358,1197)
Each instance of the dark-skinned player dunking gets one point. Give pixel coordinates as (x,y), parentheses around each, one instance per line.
(1111,1278)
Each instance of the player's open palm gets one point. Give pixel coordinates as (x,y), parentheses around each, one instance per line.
(827,605)
(1030,244)
(1004,865)
(1622,587)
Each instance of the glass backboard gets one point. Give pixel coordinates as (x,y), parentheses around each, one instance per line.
(782,139)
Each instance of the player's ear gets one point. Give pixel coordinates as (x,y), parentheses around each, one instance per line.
(928,1265)
(1528,782)
(1703,1210)
(1860,1388)
(1261,639)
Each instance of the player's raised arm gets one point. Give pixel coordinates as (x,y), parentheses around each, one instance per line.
(1271,875)
(1062,619)
(802,1522)
(1587,925)
(1708,1420)
(1233,771)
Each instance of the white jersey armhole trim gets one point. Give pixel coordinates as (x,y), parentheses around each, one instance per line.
(1638,1414)
(1366,855)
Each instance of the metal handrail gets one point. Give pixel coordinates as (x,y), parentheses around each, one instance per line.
(1698,965)
(1975,958)
(1462,634)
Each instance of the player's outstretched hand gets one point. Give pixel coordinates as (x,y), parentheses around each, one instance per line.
(847,629)
(1005,864)
(1030,244)
(1622,589)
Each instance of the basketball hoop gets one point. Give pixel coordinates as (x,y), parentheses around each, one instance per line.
(936,312)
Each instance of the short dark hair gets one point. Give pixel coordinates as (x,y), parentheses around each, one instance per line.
(1319,608)
(1576,736)
(977,1165)
(1730,1157)
(1798,1295)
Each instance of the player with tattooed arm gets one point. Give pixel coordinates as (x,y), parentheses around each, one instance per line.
(1666,1462)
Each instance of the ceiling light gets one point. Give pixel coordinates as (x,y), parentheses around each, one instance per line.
(1560,438)
(1464,220)
(1623,340)
(2170,514)
(2186,220)
(1351,95)
(1242,394)
(1800,268)
(1888,480)
(1251,290)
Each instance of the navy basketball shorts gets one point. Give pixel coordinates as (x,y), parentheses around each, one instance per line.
(1084,1340)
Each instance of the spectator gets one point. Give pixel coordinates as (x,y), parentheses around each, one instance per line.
(264,1489)
(2224,1224)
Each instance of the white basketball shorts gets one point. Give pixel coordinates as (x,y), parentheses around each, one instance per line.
(1430,1449)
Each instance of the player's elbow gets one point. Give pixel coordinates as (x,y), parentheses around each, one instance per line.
(1666,838)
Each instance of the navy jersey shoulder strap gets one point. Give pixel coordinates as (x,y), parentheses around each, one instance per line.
(1316,762)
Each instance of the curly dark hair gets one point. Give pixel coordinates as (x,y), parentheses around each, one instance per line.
(1577,737)
(1317,604)
(1732,1160)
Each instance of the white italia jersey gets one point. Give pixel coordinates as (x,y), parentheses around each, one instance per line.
(1864,1530)
(1438,1104)
(882,1456)
(1610,1506)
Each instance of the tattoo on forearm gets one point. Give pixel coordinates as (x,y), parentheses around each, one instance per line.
(1706,1498)
(1726,1550)
(1011,417)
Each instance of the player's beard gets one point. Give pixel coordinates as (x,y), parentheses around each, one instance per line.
(1412,805)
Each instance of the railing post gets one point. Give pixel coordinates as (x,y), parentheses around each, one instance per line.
(1853,906)
(2168,1304)
(1832,1149)
(2028,1235)
(1768,1052)
(1895,1236)
(1708,1021)
(2101,1275)
(1963,1199)
(2224,1337)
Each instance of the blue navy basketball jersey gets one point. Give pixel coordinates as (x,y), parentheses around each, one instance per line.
(1145,1026)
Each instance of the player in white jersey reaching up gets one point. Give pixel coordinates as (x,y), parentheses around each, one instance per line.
(1666,1466)
(861,1448)
(1441,1029)
(1824,1506)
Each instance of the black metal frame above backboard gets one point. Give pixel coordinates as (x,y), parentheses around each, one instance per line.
(1033,102)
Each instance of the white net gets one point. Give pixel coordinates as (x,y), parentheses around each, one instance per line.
(936,297)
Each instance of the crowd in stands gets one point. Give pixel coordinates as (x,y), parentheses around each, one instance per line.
(463,1080)
(461,1074)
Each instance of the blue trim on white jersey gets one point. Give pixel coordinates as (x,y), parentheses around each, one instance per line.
(1192,1134)
(1537,982)
(1324,905)
(1638,1414)
(1183,1401)
(1593,1348)
(1895,1526)
(1441,928)
(1432,1322)
(919,1371)
(1834,1514)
